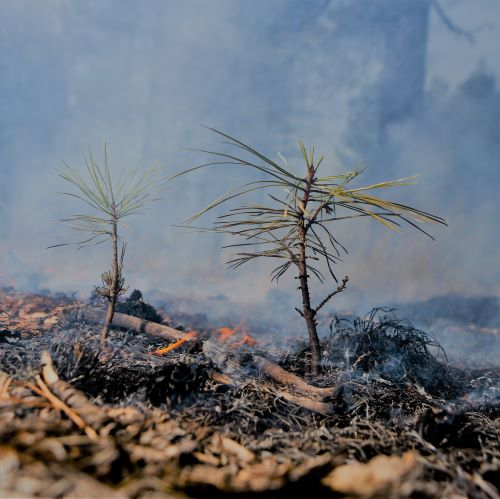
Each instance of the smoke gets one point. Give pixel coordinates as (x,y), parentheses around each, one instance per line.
(387,83)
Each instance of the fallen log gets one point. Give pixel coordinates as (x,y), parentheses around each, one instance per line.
(96,315)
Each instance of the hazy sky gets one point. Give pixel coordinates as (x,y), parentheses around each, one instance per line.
(143,76)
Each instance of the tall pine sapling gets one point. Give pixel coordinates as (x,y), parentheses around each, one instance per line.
(296,226)
(109,202)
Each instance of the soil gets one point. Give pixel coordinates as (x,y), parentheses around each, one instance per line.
(205,421)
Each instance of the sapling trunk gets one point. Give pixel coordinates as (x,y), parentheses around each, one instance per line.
(307,311)
(113,285)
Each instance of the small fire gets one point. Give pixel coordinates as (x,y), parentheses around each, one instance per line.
(227,333)
(246,340)
(178,343)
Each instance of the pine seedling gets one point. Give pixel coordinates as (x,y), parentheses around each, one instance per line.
(108,202)
(296,226)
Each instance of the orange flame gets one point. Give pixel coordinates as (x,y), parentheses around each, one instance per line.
(246,340)
(178,343)
(225,333)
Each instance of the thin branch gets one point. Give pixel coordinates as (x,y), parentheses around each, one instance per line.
(332,294)
(299,311)
(454,28)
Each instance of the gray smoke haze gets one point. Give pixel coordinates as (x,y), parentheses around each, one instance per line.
(389,83)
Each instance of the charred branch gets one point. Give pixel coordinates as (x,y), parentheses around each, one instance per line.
(95,315)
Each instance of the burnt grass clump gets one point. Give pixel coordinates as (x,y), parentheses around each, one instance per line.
(125,371)
(395,392)
(383,345)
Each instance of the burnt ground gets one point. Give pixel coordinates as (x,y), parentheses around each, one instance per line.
(404,422)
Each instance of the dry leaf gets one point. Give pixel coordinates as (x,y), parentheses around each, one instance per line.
(368,479)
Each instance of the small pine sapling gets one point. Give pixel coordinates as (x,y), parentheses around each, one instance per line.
(109,203)
(295,228)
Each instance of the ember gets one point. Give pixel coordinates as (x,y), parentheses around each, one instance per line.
(178,343)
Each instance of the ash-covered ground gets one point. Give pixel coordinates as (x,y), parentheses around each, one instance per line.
(206,419)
